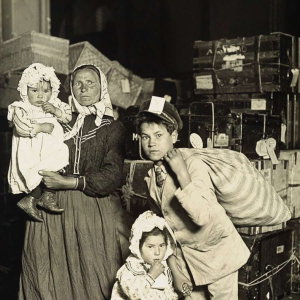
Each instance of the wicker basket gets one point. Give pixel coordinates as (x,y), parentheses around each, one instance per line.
(85,53)
(31,47)
(118,96)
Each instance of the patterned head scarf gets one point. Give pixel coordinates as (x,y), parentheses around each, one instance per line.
(103,107)
(145,223)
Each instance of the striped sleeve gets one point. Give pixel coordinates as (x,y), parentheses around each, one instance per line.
(66,113)
(23,125)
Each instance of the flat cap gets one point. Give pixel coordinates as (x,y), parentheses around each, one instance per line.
(167,112)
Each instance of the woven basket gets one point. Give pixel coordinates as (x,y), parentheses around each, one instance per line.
(117,95)
(32,47)
(85,53)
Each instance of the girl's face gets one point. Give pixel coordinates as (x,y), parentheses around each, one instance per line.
(153,249)
(86,87)
(156,140)
(40,93)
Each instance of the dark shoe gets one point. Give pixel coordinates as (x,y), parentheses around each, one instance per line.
(28,205)
(48,202)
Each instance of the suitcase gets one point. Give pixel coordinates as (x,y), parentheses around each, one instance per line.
(293,184)
(236,131)
(133,175)
(295,224)
(268,251)
(251,64)
(132,146)
(19,52)
(285,105)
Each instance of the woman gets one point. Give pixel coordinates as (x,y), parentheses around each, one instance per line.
(76,255)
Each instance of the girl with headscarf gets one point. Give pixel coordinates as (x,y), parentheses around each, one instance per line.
(146,275)
(76,255)
(38,139)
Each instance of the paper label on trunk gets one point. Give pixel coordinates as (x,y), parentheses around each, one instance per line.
(258,104)
(204,82)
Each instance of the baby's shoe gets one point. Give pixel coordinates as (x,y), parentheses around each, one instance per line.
(48,202)
(28,205)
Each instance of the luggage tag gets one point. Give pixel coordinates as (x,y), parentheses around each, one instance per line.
(295,73)
(210,144)
(125,85)
(282,134)
(271,146)
(261,148)
(196,141)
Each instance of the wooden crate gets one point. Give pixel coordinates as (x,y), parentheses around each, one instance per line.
(33,47)
(85,53)
(124,87)
(293,188)
(251,64)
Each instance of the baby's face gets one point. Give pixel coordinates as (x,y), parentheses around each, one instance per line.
(40,93)
(153,249)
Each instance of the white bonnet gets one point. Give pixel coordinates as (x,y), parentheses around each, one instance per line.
(145,223)
(34,74)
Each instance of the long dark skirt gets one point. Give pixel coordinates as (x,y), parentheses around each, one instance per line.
(73,256)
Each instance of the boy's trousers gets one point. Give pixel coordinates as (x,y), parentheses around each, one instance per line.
(225,288)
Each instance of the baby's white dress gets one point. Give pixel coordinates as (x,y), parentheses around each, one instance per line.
(34,152)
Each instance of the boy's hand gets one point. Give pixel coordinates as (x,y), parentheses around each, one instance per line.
(44,127)
(175,160)
(183,284)
(178,166)
(156,269)
(49,108)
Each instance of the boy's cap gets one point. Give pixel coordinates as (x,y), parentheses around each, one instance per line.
(169,113)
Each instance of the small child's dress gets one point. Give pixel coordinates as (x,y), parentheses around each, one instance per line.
(33,152)
(133,280)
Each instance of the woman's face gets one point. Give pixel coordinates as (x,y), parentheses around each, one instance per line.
(86,87)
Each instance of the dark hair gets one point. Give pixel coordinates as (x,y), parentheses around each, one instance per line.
(150,118)
(155,231)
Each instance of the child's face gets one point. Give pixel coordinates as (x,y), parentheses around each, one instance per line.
(156,140)
(153,249)
(40,93)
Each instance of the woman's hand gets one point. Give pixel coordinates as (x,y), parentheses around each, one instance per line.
(44,127)
(156,269)
(55,181)
(178,166)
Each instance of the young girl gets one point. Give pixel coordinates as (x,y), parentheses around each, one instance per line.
(146,275)
(38,142)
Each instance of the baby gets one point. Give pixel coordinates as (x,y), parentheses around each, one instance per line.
(38,138)
(146,275)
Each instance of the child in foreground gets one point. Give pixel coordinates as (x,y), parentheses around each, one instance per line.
(146,275)
(209,251)
(38,139)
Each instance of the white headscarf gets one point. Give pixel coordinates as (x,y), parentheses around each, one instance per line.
(103,107)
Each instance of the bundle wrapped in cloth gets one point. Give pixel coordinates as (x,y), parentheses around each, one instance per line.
(248,198)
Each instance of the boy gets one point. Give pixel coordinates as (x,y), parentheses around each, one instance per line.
(209,249)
